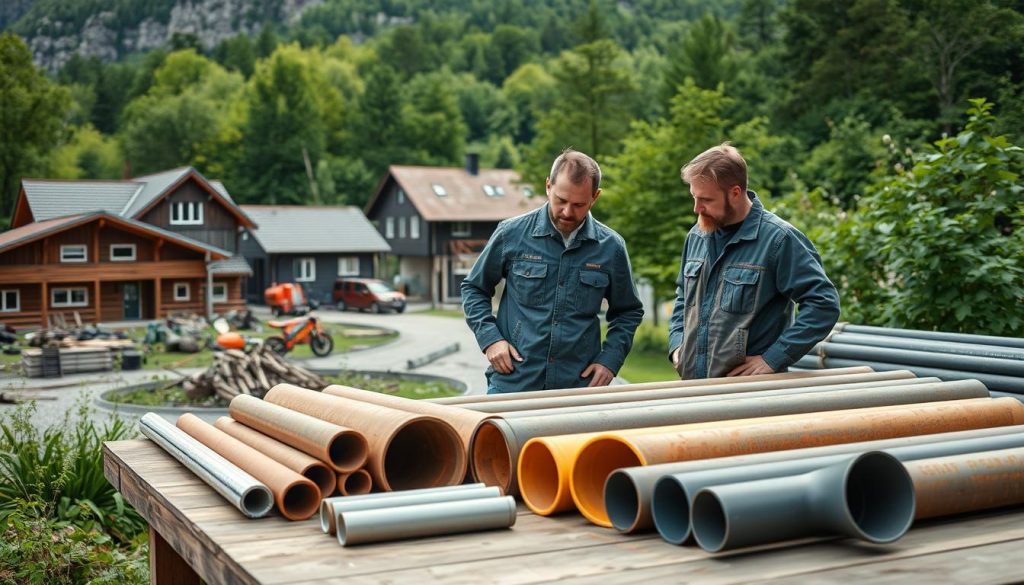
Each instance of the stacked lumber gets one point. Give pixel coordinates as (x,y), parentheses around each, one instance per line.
(72,360)
(236,372)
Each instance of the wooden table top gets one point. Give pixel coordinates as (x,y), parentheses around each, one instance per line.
(225,547)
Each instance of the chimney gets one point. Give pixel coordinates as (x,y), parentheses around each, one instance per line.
(473,163)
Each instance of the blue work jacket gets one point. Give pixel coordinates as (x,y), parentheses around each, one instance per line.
(549,308)
(741,302)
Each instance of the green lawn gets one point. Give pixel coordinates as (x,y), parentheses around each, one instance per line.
(647,366)
(454,313)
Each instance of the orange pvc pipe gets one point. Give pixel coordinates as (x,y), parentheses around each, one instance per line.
(355,483)
(305,465)
(340,447)
(407,450)
(944,486)
(603,454)
(297,498)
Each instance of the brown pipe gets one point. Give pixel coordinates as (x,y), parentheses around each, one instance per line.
(297,498)
(488,398)
(355,483)
(604,454)
(407,450)
(338,446)
(305,465)
(945,486)
(498,442)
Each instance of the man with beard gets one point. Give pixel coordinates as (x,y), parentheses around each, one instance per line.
(559,264)
(743,270)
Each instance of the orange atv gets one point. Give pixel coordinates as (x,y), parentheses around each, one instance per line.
(300,330)
(286,299)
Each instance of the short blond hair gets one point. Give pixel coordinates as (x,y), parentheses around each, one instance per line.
(722,164)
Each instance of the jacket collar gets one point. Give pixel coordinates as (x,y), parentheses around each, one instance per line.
(751,224)
(542,226)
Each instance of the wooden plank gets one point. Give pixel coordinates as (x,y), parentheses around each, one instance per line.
(166,567)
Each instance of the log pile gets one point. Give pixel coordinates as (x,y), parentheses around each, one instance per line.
(235,372)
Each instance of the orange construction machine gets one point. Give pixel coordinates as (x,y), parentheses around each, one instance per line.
(286,299)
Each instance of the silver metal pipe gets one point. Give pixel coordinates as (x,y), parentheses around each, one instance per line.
(331,507)
(383,524)
(244,492)
(868,496)
(966,363)
(1000,382)
(933,335)
(945,347)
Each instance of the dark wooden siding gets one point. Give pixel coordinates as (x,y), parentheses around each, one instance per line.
(143,246)
(282,270)
(387,205)
(27,254)
(478,230)
(253,286)
(220,227)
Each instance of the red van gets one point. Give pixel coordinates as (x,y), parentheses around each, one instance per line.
(367,294)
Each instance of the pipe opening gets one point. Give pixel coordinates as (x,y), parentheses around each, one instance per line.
(327,517)
(880,497)
(710,526)
(671,510)
(300,501)
(423,453)
(596,461)
(324,478)
(257,501)
(348,451)
(492,460)
(357,483)
(539,483)
(621,501)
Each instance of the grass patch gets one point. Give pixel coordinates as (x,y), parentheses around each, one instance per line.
(395,386)
(452,313)
(647,366)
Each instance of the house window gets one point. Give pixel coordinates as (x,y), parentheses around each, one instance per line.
(69,297)
(182,291)
(439,190)
(122,252)
(461,229)
(463,263)
(401,227)
(10,300)
(220,292)
(76,253)
(348,266)
(389,228)
(401,197)
(489,191)
(414,227)
(527,192)
(499,190)
(187,213)
(305,269)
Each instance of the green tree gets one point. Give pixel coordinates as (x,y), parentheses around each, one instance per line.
(705,55)
(88,155)
(432,118)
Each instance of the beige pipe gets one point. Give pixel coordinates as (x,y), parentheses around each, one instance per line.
(297,498)
(305,465)
(944,486)
(407,450)
(342,448)
(473,398)
(604,454)
(355,483)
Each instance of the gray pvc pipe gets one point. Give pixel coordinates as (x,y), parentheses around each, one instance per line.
(383,524)
(244,491)
(496,444)
(628,491)
(868,496)
(993,381)
(971,349)
(967,363)
(674,494)
(894,385)
(932,335)
(329,509)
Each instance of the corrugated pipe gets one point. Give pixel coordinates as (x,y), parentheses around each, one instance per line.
(340,447)
(628,492)
(970,349)
(932,335)
(604,454)
(473,400)
(383,524)
(498,442)
(355,483)
(986,365)
(992,381)
(407,450)
(305,465)
(296,497)
(245,492)
(968,482)
(327,505)
(868,496)
(673,494)
(332,508)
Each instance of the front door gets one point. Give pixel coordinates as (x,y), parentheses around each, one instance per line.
(132,306)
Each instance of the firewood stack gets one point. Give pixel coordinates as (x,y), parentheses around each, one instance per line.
(235,372)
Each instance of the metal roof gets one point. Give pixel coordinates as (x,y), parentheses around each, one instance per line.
(452,194)
(287,229)
(53,198)
(232,265)
(152,186)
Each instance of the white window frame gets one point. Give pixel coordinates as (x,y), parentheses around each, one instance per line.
(185,297)
(461,229)
(439,189)
(131,247)
(4,307)
(489,190)
(400,196)
(223,296)
(69,293)
(414,227)
(67,253)
(389,228)
(348,265)
(401,228)
(305,269)
(187,213)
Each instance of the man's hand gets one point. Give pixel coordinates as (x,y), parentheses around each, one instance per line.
(602,376)
(675,357)
(500,354)
(754,364)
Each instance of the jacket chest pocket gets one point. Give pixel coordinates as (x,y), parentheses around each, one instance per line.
(691,280)
(527,283)
(590,291)
(739,289)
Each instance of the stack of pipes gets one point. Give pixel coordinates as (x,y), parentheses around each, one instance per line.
(996,361)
